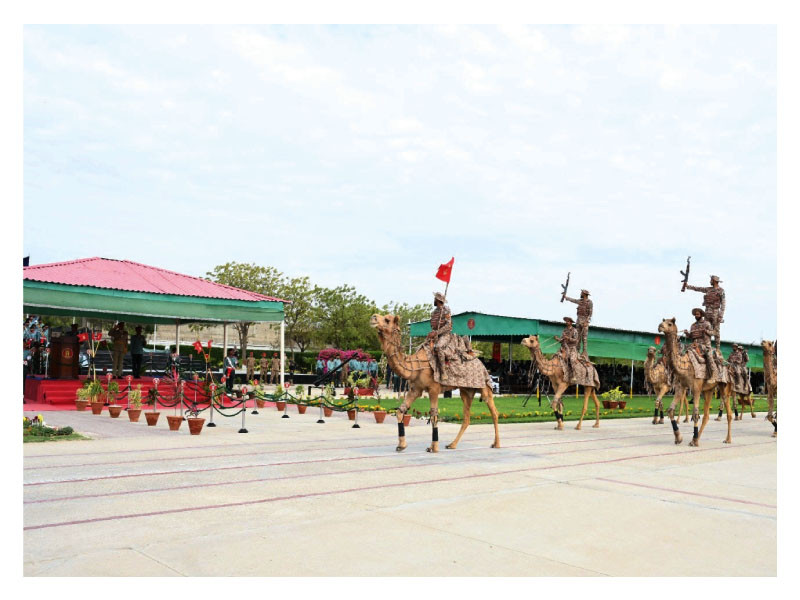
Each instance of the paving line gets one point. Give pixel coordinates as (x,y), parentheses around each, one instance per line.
(676,491)
(228,455)
(301,462)
(366,488)
(304,475)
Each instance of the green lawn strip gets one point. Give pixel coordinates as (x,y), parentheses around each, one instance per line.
(512,411)
(52,438)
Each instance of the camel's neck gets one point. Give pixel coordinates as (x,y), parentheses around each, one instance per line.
(545,366)
(674,356)
(395,356)
(769,366)
(648,364)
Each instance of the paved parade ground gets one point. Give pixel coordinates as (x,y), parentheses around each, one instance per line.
(293,497)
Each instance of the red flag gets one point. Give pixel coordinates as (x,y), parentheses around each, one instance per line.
(82,337)
(209,344)
(198,347)
(445,271)
(97,336)
(658,340)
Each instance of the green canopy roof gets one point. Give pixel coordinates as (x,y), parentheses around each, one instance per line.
(604,342)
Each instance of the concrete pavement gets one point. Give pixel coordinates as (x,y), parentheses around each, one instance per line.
(293,497)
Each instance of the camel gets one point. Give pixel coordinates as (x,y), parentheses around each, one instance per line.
(770,381)
(552,369)
(683,372)
(417,370)
(657,377)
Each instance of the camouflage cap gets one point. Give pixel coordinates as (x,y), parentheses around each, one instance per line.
(715,278)
(700,310)
(439,296)
(585,292)
(568,320)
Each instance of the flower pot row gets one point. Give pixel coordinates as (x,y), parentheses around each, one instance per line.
(615,403)
(174,421)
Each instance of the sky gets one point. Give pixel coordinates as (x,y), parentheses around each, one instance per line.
(370,155)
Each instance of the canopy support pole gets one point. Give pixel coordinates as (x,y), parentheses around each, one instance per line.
(224,343)
(631,394)
(283,331)
(177,337)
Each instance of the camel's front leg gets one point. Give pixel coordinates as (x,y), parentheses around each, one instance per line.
(558,406)
(706,408)
(770,400)
(466,400)
(596,409)
(411,395)
(671,413)
(727,440)
(434,447)
(775,425)
(586,393)
(752,405)
(488,397)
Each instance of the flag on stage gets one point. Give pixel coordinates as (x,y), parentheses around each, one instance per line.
(445,271)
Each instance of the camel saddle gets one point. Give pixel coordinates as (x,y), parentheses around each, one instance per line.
(456,364)
(701,370)
(582,371)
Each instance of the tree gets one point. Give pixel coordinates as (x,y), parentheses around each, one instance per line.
(301,315)
(343,318)
(250,277)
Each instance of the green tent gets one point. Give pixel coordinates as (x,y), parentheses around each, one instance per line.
(604,342)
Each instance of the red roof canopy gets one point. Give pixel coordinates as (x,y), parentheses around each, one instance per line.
(135,277)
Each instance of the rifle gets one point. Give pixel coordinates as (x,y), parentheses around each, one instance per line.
(325,378)
(686,274)
(564,287)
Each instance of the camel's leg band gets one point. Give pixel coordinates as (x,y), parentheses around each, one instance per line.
(435,434)
(674,426)
(401,429)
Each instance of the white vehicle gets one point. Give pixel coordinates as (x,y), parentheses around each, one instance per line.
(495,384)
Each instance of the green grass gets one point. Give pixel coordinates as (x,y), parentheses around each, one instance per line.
(27,438)
(512,411)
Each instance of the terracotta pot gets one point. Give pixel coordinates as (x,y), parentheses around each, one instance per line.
(406,420)
(623,403)
(134,414)
(174,422)
(114,410)
(613,404)
(260,403)
(351,414)
(97,408)
(301,408)
(380,415)
(152,418)
(327,411)
(606,404)
(195,425)
(81,404)
(280,405)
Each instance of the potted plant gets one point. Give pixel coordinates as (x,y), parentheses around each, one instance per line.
(379,413)
(279,404)
(135,404)
(406,419)
(613,398)
(174,422)
(112,390)
(152,416)
(95,393)
(301,399)
(195,422)
(81,398)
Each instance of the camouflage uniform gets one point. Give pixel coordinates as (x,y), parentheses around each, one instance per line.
(700,333)
(275,371)
(714,303)
(569,349)
(441,333)
(735,366)
(743,366)
(662,360)
(263,365)
(585,308)
(250,363)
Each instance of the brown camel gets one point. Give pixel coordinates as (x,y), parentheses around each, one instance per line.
(683,372)
(552,369)
(656,375)
(770,381)
(417,370)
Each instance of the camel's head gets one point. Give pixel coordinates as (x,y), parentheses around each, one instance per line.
(532,341)
(767,346)
(668,326)
(384,323)
(651,352)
